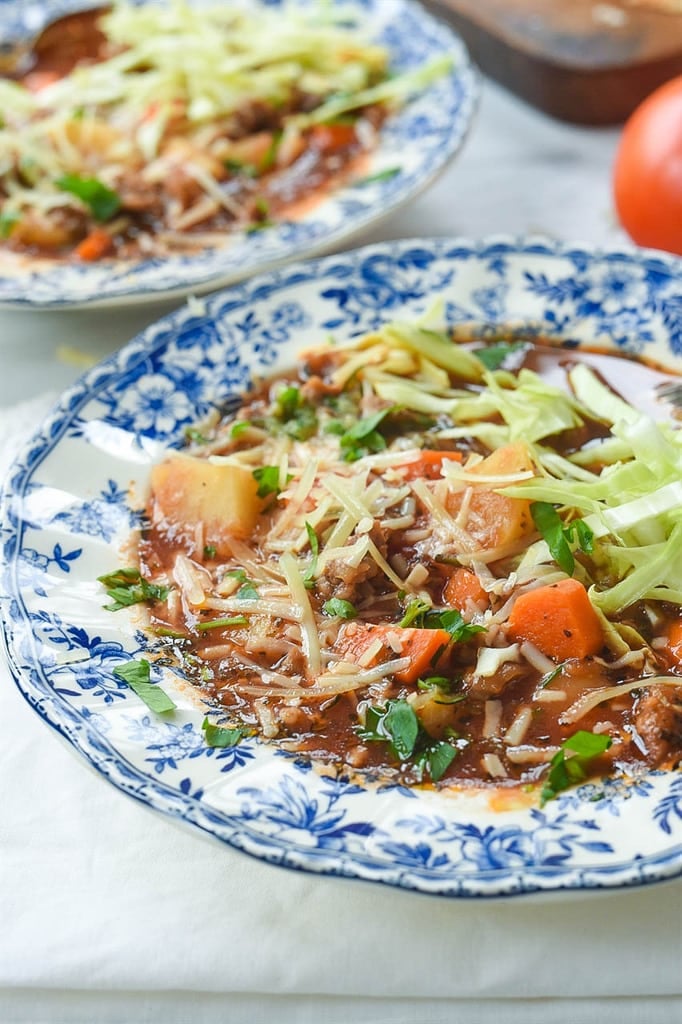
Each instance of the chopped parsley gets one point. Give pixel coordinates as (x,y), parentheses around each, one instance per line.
(337,607)
(494,357)
(267,478)
(442,688)
(385,175)
(7,223)
(421,615)
(559,537)
(238,428)
(224,623)
(239,167)
(311,571)
(293,415)
(210,550)
(398,725)
(102,202)
(137,674)
(126,587)
(195,435)
(569,764)
(549,677)
(364,438)
(221,736)
(270,158)
(248,590)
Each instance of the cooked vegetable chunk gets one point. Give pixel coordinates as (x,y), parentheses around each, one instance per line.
(370,645)
(495,519)
(559,620)
(221,497)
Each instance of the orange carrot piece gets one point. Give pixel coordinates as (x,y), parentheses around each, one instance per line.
(94,246)
(428,466)
(331,137)
(559,619)
(422,646)
(462,587)
(673,647)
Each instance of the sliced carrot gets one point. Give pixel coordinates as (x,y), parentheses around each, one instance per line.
(94,246)
(462,587)
(423,647)
(428,466)
(331,137)
(559,619)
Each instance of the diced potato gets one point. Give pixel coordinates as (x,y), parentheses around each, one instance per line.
(92,136)
(222,496)
(494,519)
(437,718)
(37,229)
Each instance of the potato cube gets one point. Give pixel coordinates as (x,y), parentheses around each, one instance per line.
(222,496)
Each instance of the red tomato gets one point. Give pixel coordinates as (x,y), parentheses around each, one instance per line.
(647,177)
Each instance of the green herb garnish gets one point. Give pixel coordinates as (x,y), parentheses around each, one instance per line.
(421,615)
(549,677)
(225,623)
(397,724)
(270,158)
(220,736)
(102,201)
(495,356)
(414,611)
(436,759)
(238,428)
(237,574)
(7,223)
(137,674)
(558,537)
(267,478)
(339,608)
(194,435)
(126,587)
(248,590)
(371,179)
(566,771)
(210,550)
(293,415)
(442,688)
(311,571)
(239,167)
(363,438)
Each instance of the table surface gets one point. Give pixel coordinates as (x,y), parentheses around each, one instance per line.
(110,913)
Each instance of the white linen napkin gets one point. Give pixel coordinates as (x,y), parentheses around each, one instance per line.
(110,912)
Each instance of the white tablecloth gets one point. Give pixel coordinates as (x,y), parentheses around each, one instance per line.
(110,913)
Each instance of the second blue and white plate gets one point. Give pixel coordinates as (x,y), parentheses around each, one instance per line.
(416,143)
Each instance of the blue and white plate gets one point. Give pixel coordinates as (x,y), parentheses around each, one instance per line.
(419,141)
(74,496)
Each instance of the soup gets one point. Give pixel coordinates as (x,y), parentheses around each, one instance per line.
(430,562)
